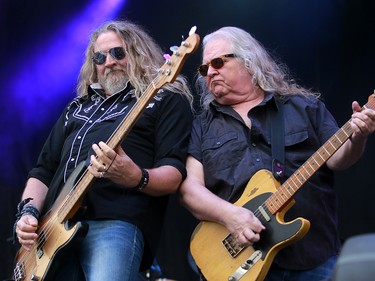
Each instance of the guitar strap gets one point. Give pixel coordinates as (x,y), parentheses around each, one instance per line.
(276,119)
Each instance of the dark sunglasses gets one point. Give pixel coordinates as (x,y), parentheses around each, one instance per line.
(216,63)
(118,53)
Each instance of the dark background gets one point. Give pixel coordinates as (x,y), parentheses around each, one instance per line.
(327,44)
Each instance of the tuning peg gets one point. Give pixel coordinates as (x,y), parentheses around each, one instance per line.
(167,58)
(192,30)
(174,50)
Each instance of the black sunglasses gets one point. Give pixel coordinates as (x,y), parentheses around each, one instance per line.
(118,53)
(216,63)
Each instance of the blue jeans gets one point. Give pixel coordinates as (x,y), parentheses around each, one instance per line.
(324,272)
(112,250)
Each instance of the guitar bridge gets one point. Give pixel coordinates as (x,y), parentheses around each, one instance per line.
(232,247)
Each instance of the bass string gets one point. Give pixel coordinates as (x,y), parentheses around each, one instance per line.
(28,258)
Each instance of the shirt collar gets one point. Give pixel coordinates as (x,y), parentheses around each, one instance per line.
(96,88)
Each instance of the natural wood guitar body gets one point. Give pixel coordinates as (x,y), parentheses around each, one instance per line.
(214,259)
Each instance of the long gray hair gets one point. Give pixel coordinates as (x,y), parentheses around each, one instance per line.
(145,58)
(266,72)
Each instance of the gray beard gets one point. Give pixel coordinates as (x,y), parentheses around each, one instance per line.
(114,82)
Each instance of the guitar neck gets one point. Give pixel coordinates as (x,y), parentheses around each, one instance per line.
(287,190)
(131,118)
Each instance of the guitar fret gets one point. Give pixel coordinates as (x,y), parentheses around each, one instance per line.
(335,142)
(292,183)
(306,173)
(275,201)
(291,186)
(313,164)
(283,195)
(302,175)
(287,189)
(326,150)
(321,160)
(298,175)
(332,147)
(308,170)
(348,131)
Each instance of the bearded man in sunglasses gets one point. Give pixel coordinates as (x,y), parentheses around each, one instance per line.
(246,98)
(125,205)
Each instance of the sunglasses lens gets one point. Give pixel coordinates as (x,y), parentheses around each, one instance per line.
(217,63)
(99,58)
(117,53)
(203,69)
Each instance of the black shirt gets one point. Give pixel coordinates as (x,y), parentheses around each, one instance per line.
(159,137)
(231,154)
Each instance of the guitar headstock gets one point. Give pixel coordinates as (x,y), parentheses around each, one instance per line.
(173,64)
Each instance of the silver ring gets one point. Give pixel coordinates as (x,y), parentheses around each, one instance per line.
(102,174)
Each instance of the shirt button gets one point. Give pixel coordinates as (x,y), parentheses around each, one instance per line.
(253,144)
(258,160)
(79,137)
(102,109)
(218,143)
(90,121)
(72,159)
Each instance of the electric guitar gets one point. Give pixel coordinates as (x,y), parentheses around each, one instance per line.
(56,230)
(216,252)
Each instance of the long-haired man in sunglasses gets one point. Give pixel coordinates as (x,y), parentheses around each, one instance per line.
(124,207)
(246,98)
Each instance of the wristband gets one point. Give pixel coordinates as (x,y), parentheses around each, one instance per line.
(24,210)
(30,210)
(144,180)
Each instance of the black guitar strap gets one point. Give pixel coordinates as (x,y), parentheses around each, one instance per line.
(276,119)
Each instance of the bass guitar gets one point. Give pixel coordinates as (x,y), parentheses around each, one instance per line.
(216,252)
(56,230)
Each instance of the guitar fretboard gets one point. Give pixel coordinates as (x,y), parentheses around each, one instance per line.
(286,191)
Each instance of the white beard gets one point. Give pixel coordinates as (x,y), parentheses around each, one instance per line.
(113,81)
